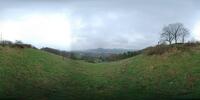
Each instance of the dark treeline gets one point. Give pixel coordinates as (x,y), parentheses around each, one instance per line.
(17,44)
(57,52)
(125,55)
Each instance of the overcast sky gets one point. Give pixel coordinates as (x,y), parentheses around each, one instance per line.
(87,24)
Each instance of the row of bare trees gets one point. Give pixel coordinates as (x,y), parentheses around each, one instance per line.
(174,33)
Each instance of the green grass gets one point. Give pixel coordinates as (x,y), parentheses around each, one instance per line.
(29,74)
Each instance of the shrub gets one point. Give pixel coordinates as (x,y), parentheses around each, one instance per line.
(22,46)
(192,44)
(17,44)
(161,49)
(6,43)
(157,50)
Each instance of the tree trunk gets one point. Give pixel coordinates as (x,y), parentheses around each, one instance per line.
(175,37)
(183,39)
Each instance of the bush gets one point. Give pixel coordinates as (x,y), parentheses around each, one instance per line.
(192,44)
(161,49)
(158,50)
(6,43)
(22,46)
(17,44)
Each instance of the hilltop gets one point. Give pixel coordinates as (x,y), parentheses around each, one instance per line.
(161,72)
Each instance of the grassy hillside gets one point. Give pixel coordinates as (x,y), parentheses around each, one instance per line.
(30,74)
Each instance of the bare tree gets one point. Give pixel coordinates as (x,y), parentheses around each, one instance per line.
(184,33)
(166,35)
(174,32)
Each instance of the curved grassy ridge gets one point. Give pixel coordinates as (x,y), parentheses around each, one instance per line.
(29,74)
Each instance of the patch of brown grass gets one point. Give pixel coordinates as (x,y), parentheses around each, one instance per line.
(163,49)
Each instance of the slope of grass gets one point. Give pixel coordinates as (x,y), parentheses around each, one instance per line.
(29,74)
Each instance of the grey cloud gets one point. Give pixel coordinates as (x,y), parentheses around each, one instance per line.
(141,21)
(131,24)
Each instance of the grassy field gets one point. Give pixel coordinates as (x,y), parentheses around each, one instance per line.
(30,74)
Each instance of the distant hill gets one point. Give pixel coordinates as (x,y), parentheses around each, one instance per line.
(93,55)
(159,73)
(107,51)
(101,52)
